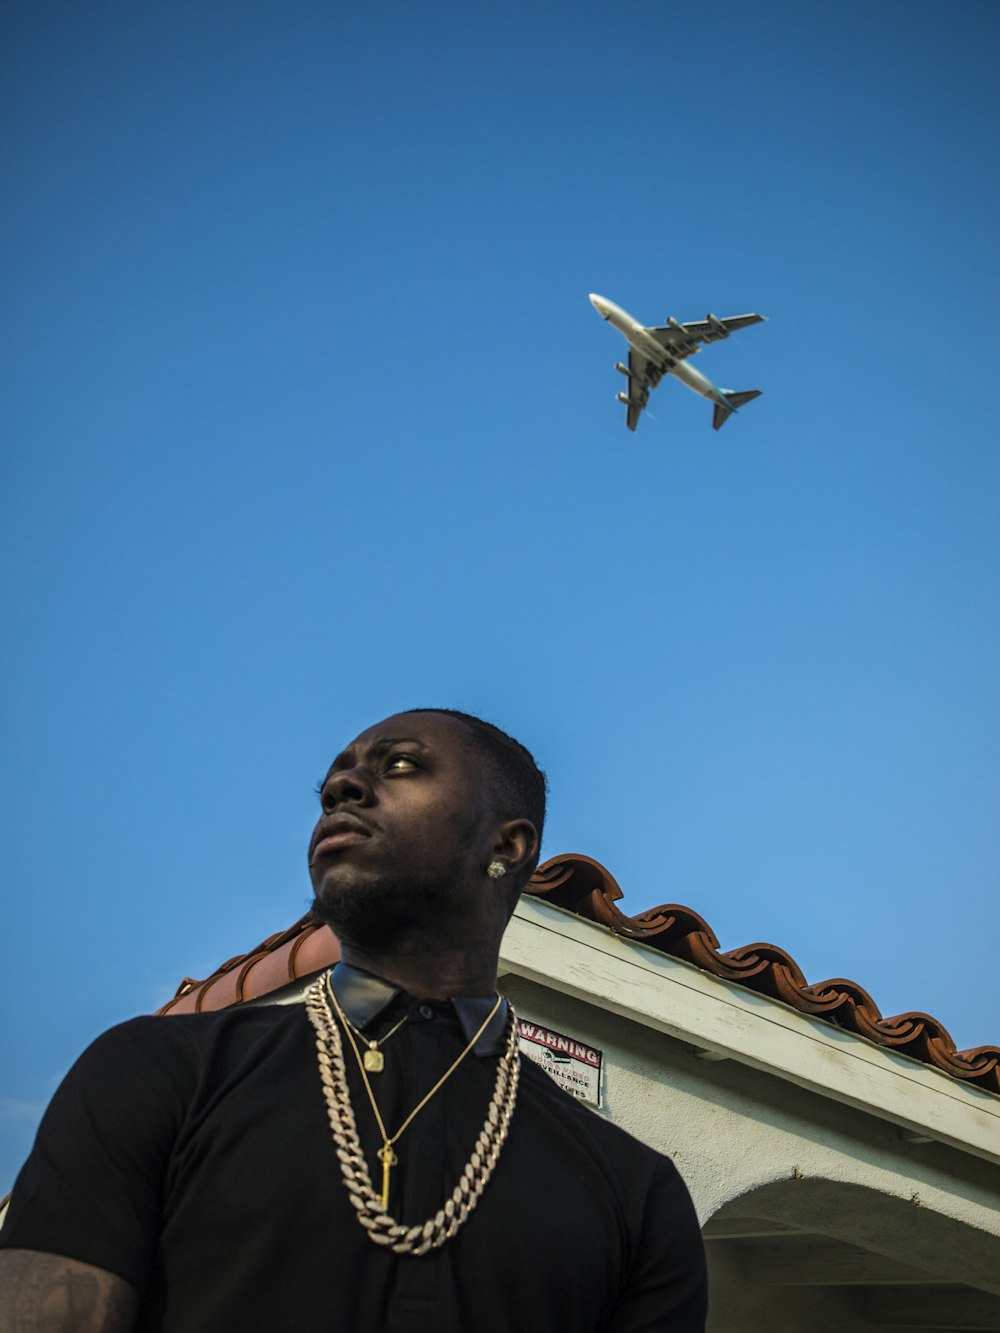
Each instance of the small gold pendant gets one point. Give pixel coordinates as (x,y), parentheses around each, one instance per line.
(374,1060)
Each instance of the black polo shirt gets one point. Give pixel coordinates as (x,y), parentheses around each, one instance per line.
(192,1155)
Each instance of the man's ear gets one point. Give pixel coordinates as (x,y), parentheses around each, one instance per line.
(517,847)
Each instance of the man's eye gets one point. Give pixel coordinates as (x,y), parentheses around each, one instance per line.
(399,763)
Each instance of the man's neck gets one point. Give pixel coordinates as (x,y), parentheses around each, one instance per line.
(431,975)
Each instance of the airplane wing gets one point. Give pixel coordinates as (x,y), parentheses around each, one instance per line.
(710,330)
(683,339)
(642,376)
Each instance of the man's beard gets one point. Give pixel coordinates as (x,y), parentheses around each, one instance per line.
(378,915)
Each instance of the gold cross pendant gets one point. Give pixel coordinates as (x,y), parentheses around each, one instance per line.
(374,1060)
(388,1159)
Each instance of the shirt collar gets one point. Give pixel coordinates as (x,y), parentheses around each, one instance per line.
(363,997)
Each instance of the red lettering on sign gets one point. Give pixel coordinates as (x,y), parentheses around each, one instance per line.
(555,1041)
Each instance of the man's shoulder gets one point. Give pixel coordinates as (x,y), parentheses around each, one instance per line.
(251,1014)
(192,1036)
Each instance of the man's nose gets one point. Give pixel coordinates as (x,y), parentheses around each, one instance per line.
(349,785)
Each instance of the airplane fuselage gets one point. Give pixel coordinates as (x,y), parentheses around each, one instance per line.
(642,340)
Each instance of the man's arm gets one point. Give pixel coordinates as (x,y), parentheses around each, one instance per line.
(47,1293)
(85,1213)
(667,1287)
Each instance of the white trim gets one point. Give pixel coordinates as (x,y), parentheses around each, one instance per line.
(560,950)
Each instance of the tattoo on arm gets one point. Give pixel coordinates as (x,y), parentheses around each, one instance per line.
(47,1293)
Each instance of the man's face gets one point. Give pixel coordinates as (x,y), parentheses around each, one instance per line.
(406,826)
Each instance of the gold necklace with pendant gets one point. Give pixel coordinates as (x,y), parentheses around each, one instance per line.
(374,1060)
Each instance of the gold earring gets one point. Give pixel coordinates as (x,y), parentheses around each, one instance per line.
(496,870)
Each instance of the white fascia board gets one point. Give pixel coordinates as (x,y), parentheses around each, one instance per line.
(558,949)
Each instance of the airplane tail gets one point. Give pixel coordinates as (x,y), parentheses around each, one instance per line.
(734,400)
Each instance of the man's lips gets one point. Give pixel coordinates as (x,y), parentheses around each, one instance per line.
(341,831)
(334,840)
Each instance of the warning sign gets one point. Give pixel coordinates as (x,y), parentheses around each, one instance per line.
(574,1065)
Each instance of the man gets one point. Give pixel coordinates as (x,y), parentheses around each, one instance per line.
(374,1159)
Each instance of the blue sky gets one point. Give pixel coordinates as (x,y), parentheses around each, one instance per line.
(309,419)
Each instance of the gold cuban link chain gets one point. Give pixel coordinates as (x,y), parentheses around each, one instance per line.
(371,1208)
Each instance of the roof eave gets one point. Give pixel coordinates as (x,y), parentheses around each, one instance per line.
(555,947)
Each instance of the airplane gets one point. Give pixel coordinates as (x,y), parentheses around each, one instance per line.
(655,352)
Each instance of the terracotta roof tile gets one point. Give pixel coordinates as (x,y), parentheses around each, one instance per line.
(304,947)
(588,889)
(585,887)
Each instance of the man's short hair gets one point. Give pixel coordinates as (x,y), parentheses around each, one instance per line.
(519,785)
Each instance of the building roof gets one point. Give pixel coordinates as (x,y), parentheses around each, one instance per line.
(584,887)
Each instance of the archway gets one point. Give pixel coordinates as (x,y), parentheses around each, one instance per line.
(822,1256)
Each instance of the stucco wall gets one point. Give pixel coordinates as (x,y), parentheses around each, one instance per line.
(732,1129)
